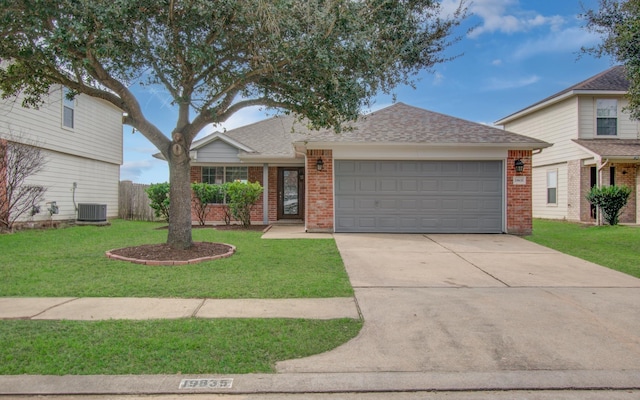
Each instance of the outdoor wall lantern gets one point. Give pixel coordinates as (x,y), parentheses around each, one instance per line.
(319,164)
(518,165)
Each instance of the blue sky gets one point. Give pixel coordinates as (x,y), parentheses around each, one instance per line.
(521,51)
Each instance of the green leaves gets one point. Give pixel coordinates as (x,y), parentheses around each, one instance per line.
(242,197)
(609,200)
(159,195)
(203,195)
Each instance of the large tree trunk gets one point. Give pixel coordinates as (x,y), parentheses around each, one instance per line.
(179,235)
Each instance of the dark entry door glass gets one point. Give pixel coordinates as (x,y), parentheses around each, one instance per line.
(290,182)
(291,200)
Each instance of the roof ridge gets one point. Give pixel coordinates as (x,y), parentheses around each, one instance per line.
(576,87)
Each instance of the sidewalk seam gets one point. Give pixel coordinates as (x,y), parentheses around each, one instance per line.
(52,307)
(197,310)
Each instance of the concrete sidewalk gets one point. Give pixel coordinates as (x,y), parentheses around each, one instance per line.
(88,309)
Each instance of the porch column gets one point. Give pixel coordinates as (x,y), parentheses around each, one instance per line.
(265,194)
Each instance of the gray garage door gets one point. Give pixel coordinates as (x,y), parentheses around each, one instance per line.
(418,196)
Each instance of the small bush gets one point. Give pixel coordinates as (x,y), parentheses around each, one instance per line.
(159,195)
(203,195)
(609,200)
(241,197)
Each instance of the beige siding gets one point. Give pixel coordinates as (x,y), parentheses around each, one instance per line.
(90,154)
(97,133)
(627,128)
(97,182)
(557,124)
(539,187)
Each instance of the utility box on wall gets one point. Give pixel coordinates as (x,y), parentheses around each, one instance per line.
(91,212)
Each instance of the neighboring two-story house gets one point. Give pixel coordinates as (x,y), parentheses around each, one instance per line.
(82,142)
(595,142)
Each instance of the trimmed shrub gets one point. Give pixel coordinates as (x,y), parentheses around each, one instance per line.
(609,200)
(203,195)
(241,197)
(159,195)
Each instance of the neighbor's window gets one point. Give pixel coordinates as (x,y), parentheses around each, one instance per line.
(220,175)
(552,187)
(607,117)
(68,109)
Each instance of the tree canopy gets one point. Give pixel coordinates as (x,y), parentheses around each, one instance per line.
(618,21)
(321,59)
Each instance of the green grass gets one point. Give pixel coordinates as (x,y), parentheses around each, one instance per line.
(616,247)
(71,262)
(187,346)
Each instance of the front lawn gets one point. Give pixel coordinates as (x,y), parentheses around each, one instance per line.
(182,346)
(70,262)
(616,247)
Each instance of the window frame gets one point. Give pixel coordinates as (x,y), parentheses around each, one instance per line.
(610,119)
(552,172)
(225,175)
(68,105)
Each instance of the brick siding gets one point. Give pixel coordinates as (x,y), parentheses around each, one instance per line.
(626,175)
(216,213)
(4,211)
(319,192)
(519,213)
(574,193)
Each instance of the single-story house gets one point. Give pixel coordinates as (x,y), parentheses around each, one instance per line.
(399,169)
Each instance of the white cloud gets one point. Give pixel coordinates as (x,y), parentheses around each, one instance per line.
(133,170)
(504,83)
(505,16)
(438,78)
(568,40)
(496,62)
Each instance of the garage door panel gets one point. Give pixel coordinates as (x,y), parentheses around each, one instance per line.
(419,196)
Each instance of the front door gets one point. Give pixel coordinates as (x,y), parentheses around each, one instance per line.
(290,193)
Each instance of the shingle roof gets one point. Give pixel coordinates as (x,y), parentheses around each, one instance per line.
(401,123)
(612,80)
(270,137)
(611,147)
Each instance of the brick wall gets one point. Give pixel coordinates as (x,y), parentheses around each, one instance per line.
(519,213)
(574,192)
(585,186)
(4,205)
(626,175)
(319,192)
(216,213)
(273,194)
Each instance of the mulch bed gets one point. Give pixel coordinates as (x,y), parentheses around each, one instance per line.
(163,254)
(256,228)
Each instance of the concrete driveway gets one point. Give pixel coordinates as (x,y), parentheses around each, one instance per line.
(485,304)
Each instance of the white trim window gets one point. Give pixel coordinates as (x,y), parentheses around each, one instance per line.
(606,117)
(220,175)
(552,187)
(68,109)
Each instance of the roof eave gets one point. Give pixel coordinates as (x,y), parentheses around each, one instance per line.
(503,145)
(546,103)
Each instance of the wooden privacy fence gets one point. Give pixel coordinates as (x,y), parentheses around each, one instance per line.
(134,202)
